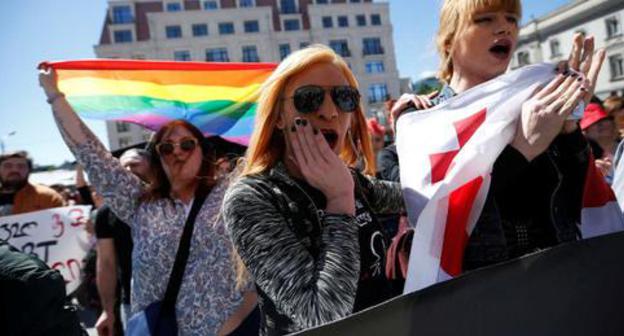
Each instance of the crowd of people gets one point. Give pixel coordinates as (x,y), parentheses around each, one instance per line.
(306,227)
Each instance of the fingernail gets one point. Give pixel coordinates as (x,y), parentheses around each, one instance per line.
(304,122)
(566,73)
(297,121)
(583,89)
(574,74)
(315,131)
(580,79)
(293,129)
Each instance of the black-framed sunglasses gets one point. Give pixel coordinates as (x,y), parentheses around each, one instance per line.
(167,148)
(309,98)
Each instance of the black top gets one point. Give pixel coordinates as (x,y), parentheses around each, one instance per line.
(6,203)
(373,286)
(108,226)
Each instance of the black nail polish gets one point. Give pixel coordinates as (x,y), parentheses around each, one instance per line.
(580,79)
(315,131)
(297,121)
(566,73)
(293,129)
(304,122)
(583,89)
(574,74)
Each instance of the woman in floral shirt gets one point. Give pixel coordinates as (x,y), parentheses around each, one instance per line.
(208,302)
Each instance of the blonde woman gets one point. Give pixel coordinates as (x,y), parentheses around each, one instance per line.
(301,218)
(536,191)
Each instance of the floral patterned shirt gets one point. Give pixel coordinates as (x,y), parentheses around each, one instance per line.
(207,295)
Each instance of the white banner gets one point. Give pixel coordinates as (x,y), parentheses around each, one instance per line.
(56,236)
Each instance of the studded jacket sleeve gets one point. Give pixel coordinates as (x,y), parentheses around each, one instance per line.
(310,290)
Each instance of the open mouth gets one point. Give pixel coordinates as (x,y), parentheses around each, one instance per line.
(501,49)
(331,137)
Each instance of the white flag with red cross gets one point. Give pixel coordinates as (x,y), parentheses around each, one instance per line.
(446,155)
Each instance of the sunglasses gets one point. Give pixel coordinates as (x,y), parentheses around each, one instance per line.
(309,98)
(167,148)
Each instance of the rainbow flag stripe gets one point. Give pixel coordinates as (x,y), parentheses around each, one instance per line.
(218,98)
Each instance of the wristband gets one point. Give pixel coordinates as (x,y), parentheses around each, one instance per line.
(54,97)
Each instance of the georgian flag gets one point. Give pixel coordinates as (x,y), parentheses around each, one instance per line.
(447,154)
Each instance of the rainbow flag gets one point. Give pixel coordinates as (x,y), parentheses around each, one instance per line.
(218,98)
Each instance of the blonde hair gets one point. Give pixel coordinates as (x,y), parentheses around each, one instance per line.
(613,104)
(266,145)
(455,17)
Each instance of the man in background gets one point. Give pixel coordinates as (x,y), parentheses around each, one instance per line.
(17,195)
(114,253)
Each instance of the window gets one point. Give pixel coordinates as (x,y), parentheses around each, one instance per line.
(211,5)
(328,22)
(343,21)
(174,7)
(355,1)
(226,28)
(375,67)
(173,32)
(122,14)
(372,46)
(341,47)
(245,3)
(182,55)
(616,65)
(288,6)
(377,93)
(291,25)
(217,55)
(200,29)
(322,2)
(555,48)
(523,58)
(251,27)
(124,142)
(122,127)
(375,19)
(284,50)
(250,54)
(361,20)
(303,45)
(613,27)
(122,36)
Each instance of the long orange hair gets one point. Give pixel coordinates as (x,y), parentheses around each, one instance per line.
(266,145)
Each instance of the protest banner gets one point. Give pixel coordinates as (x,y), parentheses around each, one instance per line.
(571,289)
(56,236)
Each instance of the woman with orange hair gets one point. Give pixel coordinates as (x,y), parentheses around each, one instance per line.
(301,217)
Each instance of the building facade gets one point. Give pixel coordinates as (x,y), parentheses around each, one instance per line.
(549,39)
(252,31)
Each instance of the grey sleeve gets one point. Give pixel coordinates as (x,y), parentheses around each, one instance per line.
(311,292)
(385,197)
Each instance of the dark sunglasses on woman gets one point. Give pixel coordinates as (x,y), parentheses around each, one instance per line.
(167,148)
(309,98)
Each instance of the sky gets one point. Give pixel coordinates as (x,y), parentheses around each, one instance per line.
(39,30)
